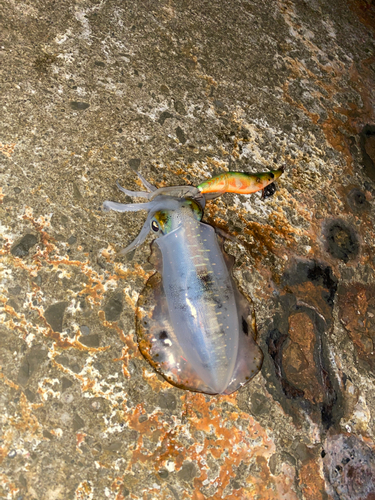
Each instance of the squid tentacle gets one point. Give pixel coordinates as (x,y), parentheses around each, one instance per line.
(145,182)
(138,194)
(124,207)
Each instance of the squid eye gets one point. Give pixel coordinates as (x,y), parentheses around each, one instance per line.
(154,226)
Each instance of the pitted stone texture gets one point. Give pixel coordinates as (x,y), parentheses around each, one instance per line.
(90,93)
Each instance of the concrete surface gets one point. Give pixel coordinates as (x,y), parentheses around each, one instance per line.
(181,90)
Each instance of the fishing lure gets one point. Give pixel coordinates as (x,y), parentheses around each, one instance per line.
(193,324)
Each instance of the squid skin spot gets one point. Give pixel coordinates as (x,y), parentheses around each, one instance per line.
(245,326)
(163,335)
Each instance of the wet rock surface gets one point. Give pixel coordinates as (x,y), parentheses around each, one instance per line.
(92,92)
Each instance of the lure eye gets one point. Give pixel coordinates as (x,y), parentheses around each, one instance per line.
(154,226)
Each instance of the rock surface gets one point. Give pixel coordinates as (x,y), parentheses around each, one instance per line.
(92,91)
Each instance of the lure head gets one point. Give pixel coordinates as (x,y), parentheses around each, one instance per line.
(166,221)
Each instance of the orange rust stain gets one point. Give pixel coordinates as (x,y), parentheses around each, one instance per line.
(3,453)
(356,305)
(7,149)
(94,289)
(298,358)
(223,439)
(134,270)
(208,79)
(80,437)
(336,130)
(314,117)
(26,421)
(264,235)
(130,349)
(312,481)
(312,294)
(365,11)
(154,381)
(8,382)
(88,385)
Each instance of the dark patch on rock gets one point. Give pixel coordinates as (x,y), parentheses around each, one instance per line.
(31,362)
(69,362)
(273,462)
(62,360)
(219,105)
(14,304)
(21,249)
(79,106)
(259,404)
(22,481)
(134,163)
(342,240)
(78,422)
(163,473)
(187,472)
(164,116)
(85,330)
(297,345)
(269,190)
(367,143)
(180,108)
(31,396)
(90,340)
(180,135)
(303,452)
(76,192)
(114,446)
(15,290)
(167,401)
(72,240)
(317,273)
(275,343)
(164,89)
(114,307)
(277,459)
(349,467)
(65,384)
(44,62)
(357,201)
(360,328)
(55,315)
(47,434)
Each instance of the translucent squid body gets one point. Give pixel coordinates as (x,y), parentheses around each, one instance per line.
(193,324)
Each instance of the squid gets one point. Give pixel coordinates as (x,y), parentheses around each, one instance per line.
(194,326)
